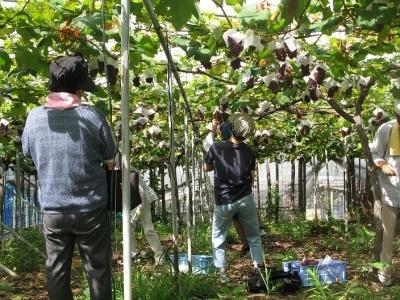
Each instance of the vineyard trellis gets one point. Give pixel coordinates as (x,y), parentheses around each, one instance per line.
(245,75)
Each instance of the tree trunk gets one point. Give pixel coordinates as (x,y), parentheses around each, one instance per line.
(353,182)
(375,187)
(269,189)
(348,184)
(153,185)
(276,192)
(300,183)
(292,182)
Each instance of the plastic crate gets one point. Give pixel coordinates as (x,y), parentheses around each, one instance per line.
(333,272)
(201,264)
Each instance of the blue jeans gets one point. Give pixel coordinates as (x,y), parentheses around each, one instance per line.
(245,209)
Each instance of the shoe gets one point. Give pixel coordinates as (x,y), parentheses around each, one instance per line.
(385,278)
(159,260)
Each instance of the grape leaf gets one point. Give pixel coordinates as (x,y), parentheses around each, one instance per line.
(27,59)
(328,25)
(250,14)
(5,61)
(178,12)
(234,2)
(90,24)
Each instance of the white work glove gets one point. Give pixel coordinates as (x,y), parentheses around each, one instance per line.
(136,213)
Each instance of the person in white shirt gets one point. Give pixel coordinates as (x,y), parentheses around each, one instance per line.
(385,151)
(143,212)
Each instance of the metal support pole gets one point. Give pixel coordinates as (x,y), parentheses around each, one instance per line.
(344,184)
(172,168)
(188,192)
(125,152)
(193,160)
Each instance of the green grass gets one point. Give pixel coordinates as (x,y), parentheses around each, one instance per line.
(17,256)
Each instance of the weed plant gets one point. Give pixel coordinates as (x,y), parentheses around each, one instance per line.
(319,290)
(201,239)
(322,291)
(361,241)
(18,256)
(151,286)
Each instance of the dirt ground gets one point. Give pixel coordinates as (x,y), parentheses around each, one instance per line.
(33,285)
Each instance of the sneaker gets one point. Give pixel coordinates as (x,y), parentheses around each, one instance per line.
(159,260)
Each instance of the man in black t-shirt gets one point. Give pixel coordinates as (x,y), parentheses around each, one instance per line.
(233,162)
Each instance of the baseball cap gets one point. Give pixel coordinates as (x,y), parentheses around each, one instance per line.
(69,74)
(242,125)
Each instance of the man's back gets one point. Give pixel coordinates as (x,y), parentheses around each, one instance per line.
(233,164)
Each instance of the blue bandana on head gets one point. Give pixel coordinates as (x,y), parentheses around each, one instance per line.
(226,130)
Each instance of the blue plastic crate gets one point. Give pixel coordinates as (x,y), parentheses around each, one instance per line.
(201,264)
(333,272)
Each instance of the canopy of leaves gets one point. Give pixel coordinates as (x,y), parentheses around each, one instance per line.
(349,40)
